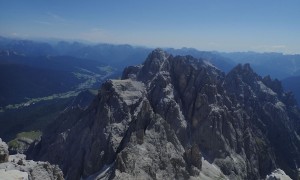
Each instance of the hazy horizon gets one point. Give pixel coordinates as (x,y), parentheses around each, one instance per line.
(231,26)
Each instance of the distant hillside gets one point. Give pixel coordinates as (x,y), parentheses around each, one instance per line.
(19,82)
(39,115)
(27,77)
(26,47)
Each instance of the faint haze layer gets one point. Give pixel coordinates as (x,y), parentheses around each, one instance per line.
(269,25)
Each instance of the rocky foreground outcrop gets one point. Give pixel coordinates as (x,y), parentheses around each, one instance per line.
(3,152)
(16,166)
(278,174)
(179,118)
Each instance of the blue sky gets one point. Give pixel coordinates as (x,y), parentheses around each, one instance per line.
(223,25)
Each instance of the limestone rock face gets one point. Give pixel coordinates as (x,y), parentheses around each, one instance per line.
(179,118)
(3,152)
(278,174)
(19,168)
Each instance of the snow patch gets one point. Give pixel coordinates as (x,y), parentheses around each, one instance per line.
(102,174)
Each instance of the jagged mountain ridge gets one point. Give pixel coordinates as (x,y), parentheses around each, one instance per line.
(163,116)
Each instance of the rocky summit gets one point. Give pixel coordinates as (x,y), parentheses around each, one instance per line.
(179,118)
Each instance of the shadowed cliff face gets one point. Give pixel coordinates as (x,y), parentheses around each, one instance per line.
(178,117)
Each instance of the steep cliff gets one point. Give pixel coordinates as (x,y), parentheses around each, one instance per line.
(178,118)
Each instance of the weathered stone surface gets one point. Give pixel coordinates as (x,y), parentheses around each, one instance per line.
(278,174)
(164,116)
(17,167)
(193,157)
(3,152)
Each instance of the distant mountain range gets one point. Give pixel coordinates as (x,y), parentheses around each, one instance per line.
(277,65)
(33,72)
(115,55)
